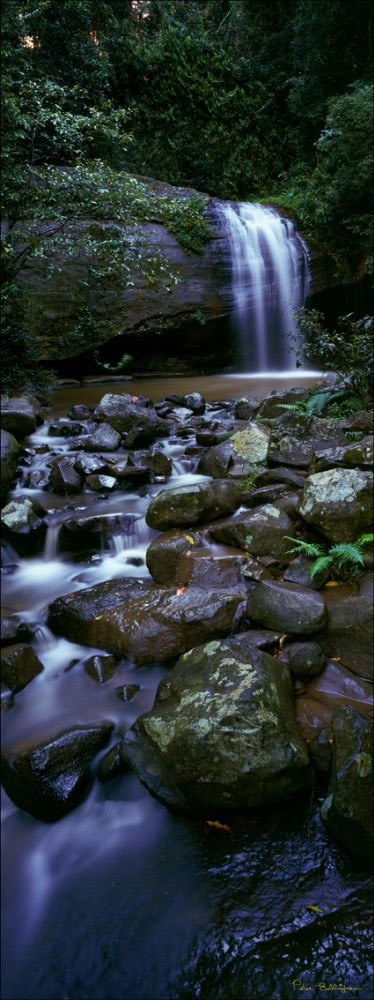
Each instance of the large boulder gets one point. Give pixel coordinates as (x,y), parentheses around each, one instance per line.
(222,733)
(339,502)
(154,627)
(261,532)
(349,631)
(9,456)
(128,417)
(348,809)
(248,447)
(286,606)
(193,504)
(357,453)
(207,569)
(80,616)
(63,477)
(20,416)
(51,778)
(104,438)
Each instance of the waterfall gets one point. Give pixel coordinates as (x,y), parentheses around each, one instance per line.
(270,279)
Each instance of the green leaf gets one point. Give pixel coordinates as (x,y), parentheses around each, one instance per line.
(320,565)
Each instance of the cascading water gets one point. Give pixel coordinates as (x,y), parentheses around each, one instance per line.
(270,279)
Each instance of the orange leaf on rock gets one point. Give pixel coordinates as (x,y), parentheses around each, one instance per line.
(181,590)
(217,825)
(282,640)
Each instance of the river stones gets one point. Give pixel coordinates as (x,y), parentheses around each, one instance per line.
(244,408)
(272,405)
(9,456)
(101,482)
(356,453)
(349,631)
(20,416)
(85,532)
(13,628)
(141,424)
(63,477)
(348,809)
(194,401)
(317,698)
(19,665)
(222,733)
(23,524)
(101,668)
(164,552)
(206,569)
(339,502)
(65,428)
(286,606)
(153,627)
(305,659)
(261,532)
(188,505)
(249,446)
(112,765)
(80,616)
(51,778)
(104,438)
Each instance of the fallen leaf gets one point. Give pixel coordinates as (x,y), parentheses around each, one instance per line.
(217,825)
(97,618)
(190,539)
(316,909)
(332,583)
(181,590)
(282,640)
(336,659)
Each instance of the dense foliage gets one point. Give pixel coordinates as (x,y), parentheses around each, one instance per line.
(238,98)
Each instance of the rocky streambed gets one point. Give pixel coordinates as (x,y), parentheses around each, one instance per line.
(156,626)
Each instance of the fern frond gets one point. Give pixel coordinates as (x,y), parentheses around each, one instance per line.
(365,539)
(309,549)
(293,407)
(347,552)
(320,565)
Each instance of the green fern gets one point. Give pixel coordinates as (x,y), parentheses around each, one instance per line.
(293,407)
(309,549)
(347,552)
(365,539)
(320,565)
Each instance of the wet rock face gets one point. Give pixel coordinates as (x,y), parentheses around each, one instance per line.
(164,552)
(19,665)
(22,523)
(13,629)
(149,628)
(221,734)
(286,606)
(317,698)
(357,453)
(50,779)
(260,532)
(63,477)
(104,438)
(20,416)
(305,659)
(339,502)
(9,456)
(349,632)
(80,616)
(101,668)
(188,505)
(348,809)
(202,568)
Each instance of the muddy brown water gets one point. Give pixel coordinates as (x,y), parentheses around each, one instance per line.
(121,900)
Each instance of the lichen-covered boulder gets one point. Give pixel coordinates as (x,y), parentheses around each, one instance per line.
(19,665)
(51,778)
(222,733)
(356,453)
(249,446)
(339,502)
(9,455)
(193,504)
(23,524)
(164,552)
(348,809)
(286,606)
(261,532)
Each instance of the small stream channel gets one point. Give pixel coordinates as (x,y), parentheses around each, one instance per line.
(121,900)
